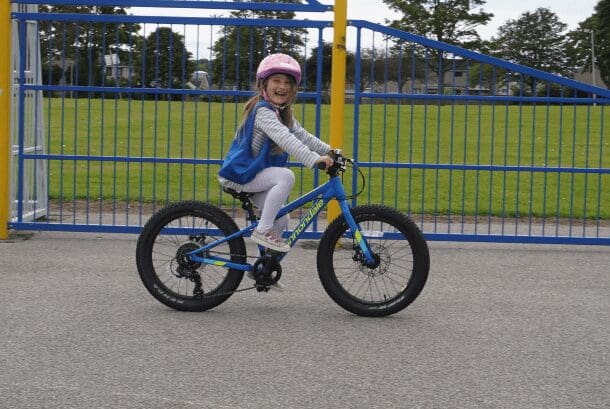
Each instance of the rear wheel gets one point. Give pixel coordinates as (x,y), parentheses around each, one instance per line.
(165,267)
(398,274)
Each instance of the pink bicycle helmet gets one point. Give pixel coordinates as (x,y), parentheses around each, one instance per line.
(278,64)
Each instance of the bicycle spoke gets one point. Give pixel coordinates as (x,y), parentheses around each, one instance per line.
(164,261)
(389,278)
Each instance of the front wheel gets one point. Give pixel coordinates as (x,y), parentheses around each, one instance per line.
(397,277)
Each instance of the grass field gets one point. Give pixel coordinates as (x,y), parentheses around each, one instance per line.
(421,135)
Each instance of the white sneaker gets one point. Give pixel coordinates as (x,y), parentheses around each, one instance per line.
(275,286)
(271,240)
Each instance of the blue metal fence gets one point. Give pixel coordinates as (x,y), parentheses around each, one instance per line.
(477,148)
(472,147)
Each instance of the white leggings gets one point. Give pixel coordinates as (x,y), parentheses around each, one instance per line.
(272,187)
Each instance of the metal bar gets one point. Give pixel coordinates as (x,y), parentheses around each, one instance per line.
(440,166)
(311,6)
(600,92)
(356,134)
(491,238)
(337,95)
(168,20)
(5,116)
(21,119)
(312,95)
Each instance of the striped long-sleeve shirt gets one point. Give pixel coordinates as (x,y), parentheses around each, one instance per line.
(296,141)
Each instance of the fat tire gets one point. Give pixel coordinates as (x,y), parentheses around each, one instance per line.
(337,247)
(151,270)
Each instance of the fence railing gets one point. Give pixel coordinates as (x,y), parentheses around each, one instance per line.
(139,110)
(477,148)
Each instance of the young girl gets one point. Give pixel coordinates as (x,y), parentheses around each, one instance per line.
(268,134)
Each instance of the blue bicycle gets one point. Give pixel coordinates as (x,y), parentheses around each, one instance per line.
(372,260)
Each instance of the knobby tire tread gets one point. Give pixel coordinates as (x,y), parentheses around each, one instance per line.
(419,250)
(144,256)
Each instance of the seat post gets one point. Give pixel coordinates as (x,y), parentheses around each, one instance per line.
(249,208)
(246,203)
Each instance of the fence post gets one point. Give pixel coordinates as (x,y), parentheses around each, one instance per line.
(5,115)
(337,93)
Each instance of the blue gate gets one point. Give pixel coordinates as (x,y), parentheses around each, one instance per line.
(138,111)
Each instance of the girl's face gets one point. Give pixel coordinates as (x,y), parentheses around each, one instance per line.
(280,89)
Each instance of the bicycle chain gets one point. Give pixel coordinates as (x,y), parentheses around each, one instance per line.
(234,291)
(225,293)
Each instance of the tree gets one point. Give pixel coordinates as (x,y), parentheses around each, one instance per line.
(311,66)
(496,79)
(78,48)
(595,30)
(239,50)
(535,40)
(578,46)
(166,63)
(602,39)
(450,21)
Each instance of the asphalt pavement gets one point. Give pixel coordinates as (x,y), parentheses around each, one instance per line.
(497,326)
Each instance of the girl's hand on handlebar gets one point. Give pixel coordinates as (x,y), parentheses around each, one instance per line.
(324,162)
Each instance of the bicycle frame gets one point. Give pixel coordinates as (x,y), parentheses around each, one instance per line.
(320,196)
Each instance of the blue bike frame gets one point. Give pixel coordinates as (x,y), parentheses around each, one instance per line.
(320,196)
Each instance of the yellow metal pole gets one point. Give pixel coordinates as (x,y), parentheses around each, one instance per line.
(5,106)
(337,93)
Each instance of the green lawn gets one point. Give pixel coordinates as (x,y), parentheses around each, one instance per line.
(420,134)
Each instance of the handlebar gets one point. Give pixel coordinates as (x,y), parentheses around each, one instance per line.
(339,164)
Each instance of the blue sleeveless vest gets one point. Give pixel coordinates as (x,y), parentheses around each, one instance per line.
(240,165)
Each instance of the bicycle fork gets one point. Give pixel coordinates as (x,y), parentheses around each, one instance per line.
(366,256)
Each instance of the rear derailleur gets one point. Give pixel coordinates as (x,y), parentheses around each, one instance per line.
(187,268)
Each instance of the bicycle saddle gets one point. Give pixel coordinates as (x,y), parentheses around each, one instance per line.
(237,195)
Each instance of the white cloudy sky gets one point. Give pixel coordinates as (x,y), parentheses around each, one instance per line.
(570,12)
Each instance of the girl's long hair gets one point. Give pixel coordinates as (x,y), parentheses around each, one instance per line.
(285,114)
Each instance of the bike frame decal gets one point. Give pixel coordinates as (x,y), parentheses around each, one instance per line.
(227,264)
(306,221)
